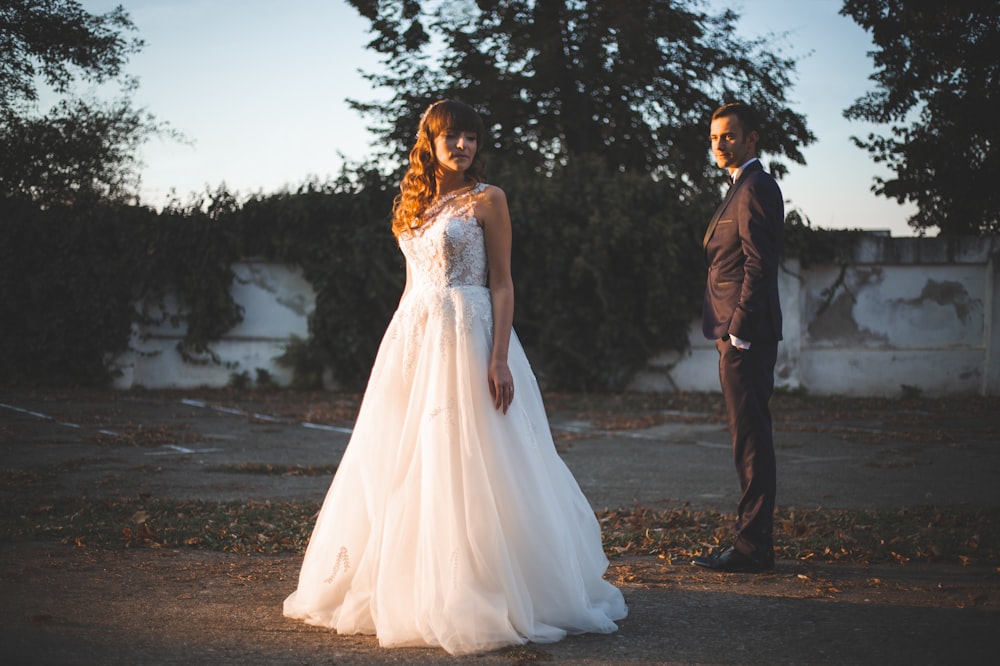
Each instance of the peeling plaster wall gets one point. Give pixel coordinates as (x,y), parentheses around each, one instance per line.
(919,313)
(903,312)
(277,302)
(900,307)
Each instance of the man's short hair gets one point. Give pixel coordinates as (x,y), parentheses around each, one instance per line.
(745,113)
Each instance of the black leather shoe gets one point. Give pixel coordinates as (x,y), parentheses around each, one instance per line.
(731,560)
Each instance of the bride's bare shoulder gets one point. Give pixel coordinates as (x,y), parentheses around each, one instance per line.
(491,195)
(491,207)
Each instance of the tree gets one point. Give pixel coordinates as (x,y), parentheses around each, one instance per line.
(81,148)
(938,82)
(598,112)
(630,80)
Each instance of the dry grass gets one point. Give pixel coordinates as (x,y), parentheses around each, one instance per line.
(964,535)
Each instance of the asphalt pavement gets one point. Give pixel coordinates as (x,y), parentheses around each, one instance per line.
(69,605)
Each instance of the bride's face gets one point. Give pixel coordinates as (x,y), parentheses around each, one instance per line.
(455,150)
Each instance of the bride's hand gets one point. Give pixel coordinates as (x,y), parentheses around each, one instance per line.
(501,385)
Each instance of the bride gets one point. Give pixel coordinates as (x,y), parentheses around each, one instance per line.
(451,520)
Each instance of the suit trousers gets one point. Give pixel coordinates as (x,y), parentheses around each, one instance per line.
(747,380)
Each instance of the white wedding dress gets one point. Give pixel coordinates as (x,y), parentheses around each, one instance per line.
(449,523)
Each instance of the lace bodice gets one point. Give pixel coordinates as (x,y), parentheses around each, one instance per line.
(449,249)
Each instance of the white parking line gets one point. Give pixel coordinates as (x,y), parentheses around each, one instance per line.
(26,411)
(46,417)
(261,417)
(191,403)
(180,450)
(328,428)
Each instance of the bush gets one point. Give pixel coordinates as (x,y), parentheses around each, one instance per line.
(73,281)
(339,234)
(608,272)
(64,304)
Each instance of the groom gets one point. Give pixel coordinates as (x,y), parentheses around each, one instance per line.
(742,314)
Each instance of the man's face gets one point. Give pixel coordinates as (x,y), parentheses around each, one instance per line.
(731,147)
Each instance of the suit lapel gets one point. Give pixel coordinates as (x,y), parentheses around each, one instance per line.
(753,166)
(718,214)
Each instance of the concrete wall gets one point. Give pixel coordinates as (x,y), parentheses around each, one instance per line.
(277,302)
(914,312)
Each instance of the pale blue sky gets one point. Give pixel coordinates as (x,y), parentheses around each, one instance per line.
(259,87)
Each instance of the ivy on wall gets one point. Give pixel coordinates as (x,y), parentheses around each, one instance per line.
(338,233)
(608,272)
(607,269)
(73,280)
(64,299)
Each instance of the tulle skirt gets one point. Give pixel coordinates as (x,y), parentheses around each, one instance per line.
(449,523)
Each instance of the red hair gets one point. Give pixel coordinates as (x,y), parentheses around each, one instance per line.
(419,186)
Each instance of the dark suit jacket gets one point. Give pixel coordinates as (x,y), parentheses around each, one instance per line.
(742,246)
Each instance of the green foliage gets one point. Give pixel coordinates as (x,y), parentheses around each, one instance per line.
(633,82)
(239,381)
(190,252)
(81,148)
(938,82)
(264,381)
(307,369)
(73,280)
(598,115)
(813,246)
(57,42)
(339,235)
(608,271)
(66,293)
(78,151)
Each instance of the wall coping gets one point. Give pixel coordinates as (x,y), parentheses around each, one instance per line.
(871,249)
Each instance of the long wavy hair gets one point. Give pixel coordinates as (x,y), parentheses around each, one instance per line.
(419,185)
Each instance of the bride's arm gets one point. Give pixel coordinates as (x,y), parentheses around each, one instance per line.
(493,214)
